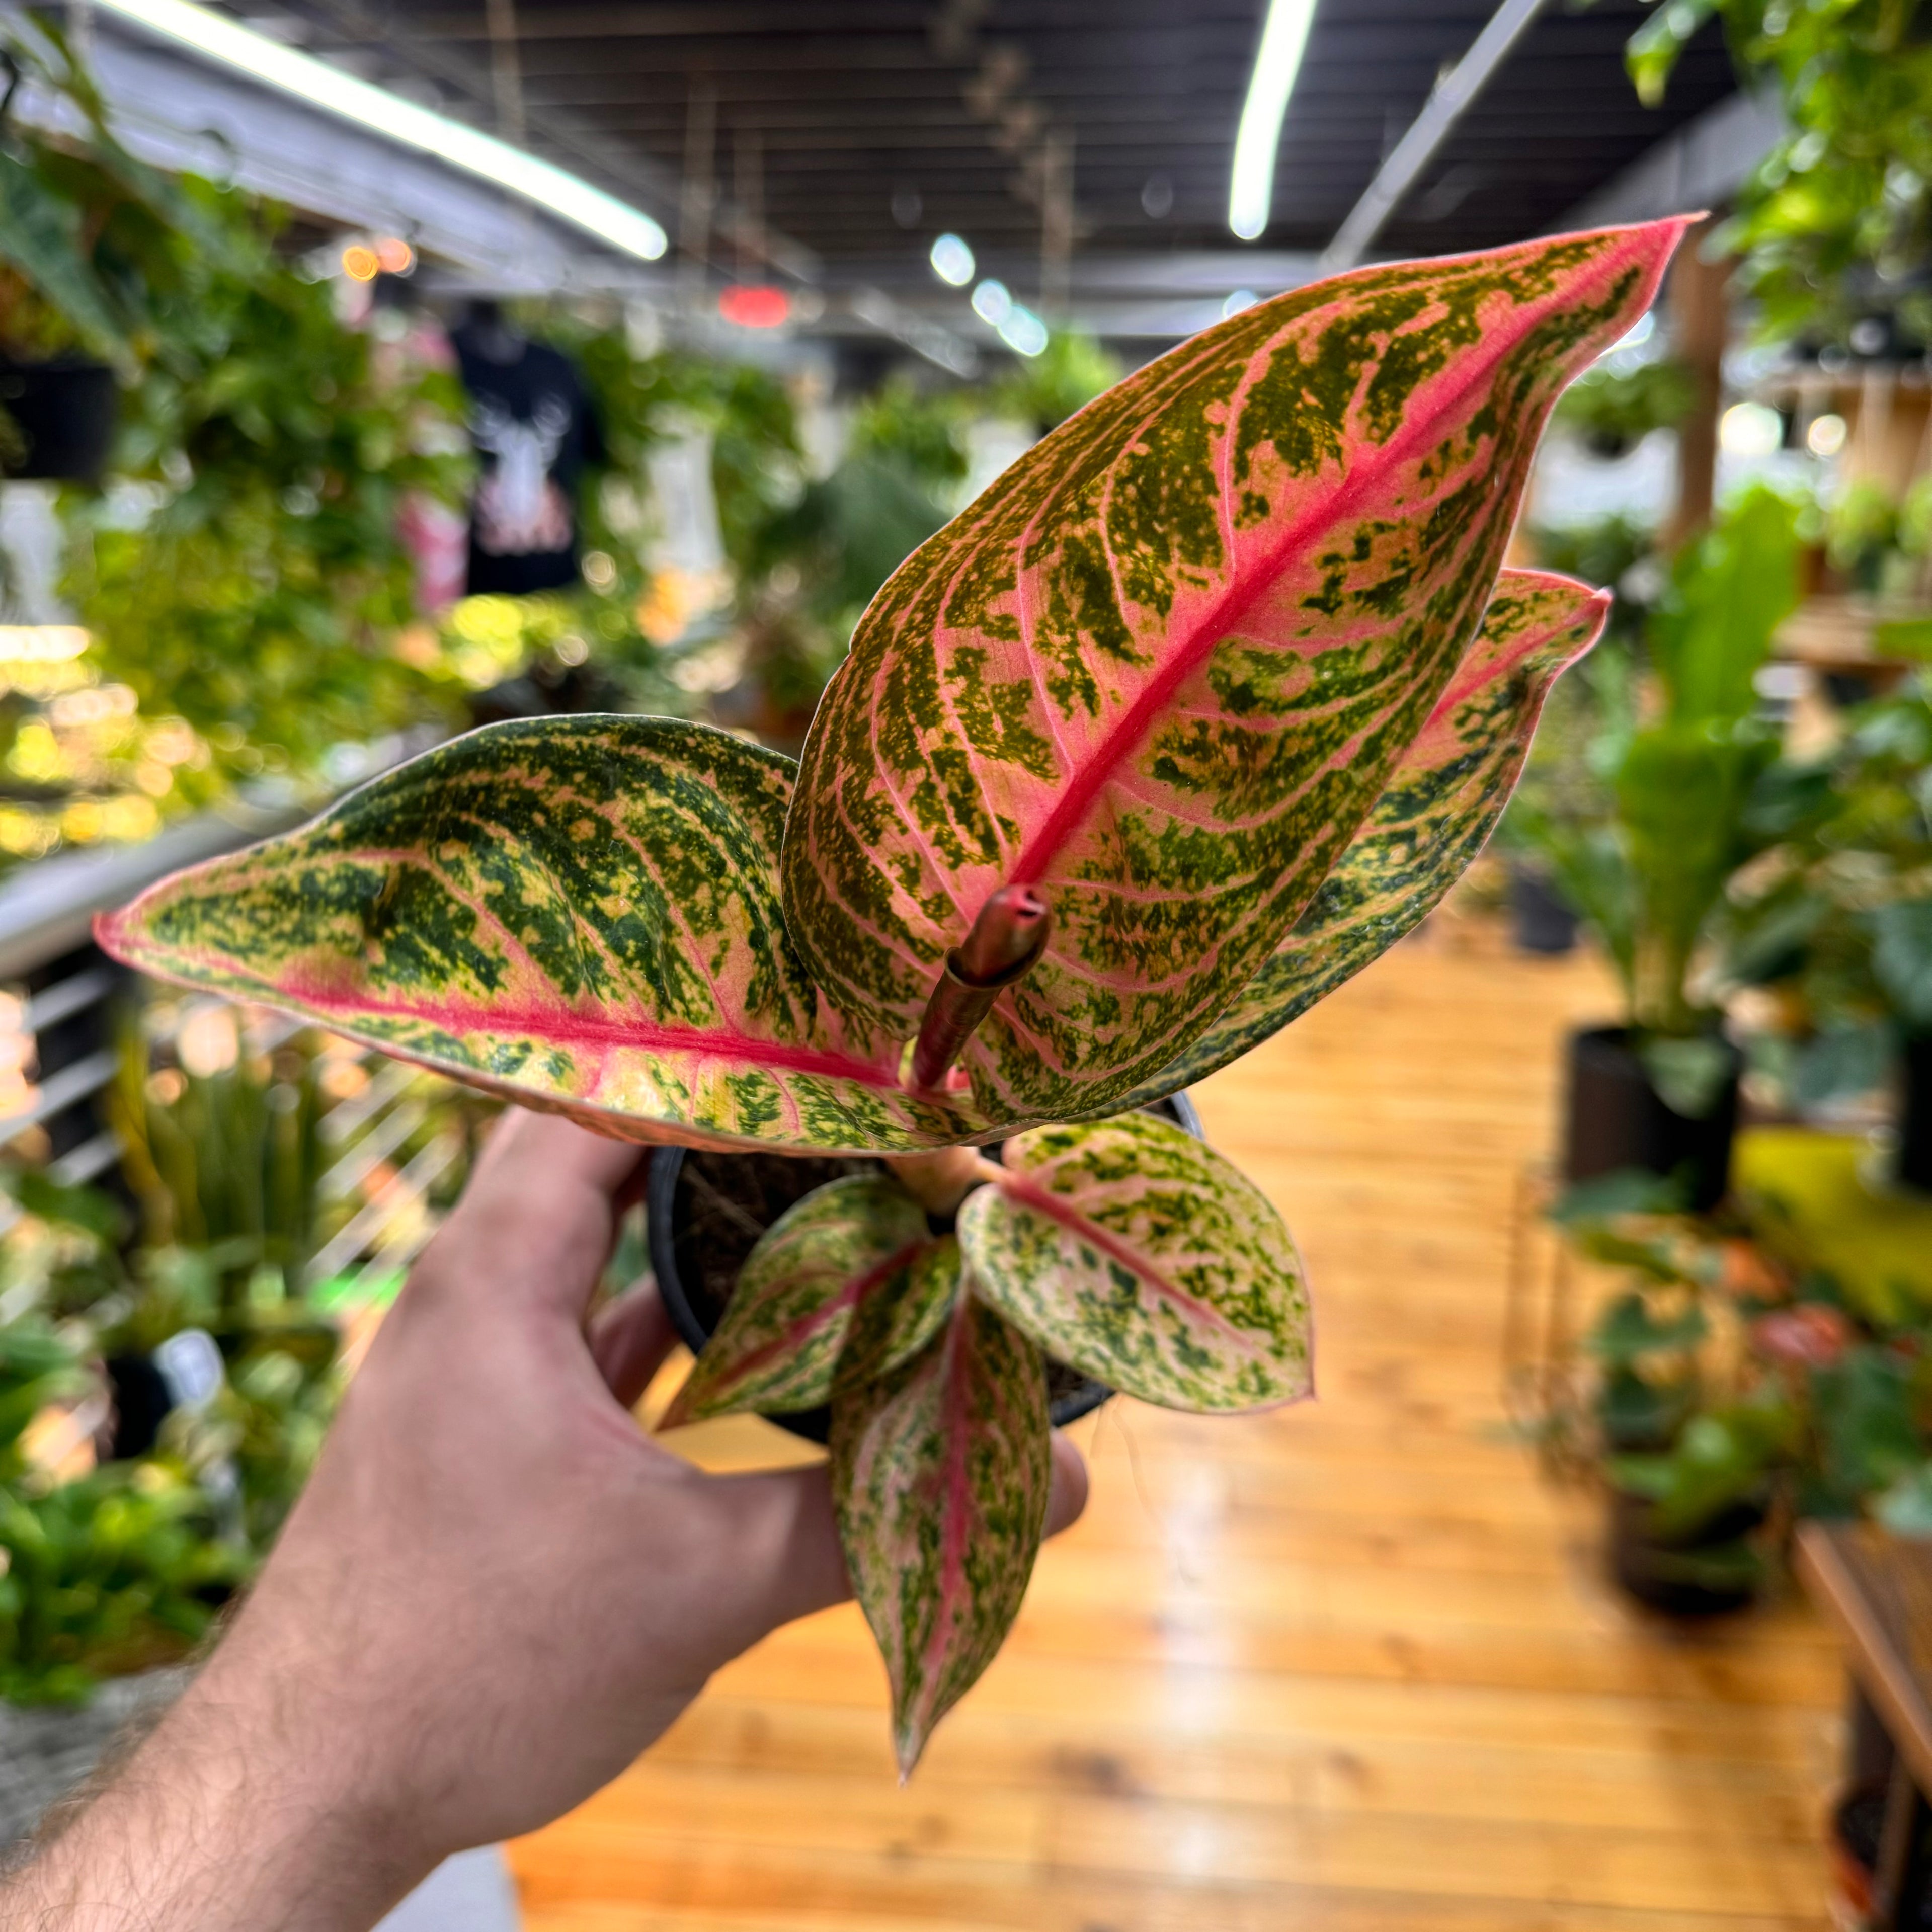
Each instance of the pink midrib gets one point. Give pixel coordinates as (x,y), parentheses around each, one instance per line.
(1029,1194)
(1056,832)
(853,1292)
(555,1024)
(956,1421)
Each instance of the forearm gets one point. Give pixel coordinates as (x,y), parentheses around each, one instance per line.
(219,1822)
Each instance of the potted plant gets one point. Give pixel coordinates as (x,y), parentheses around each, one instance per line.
(1738,1387)
(1648,853)
(1186,719)
(1837,922)
(93,245)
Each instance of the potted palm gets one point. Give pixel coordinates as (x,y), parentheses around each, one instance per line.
(1187,717)
(1647,855)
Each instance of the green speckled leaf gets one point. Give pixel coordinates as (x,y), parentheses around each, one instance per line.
(1131,1250)
(940,1472)
(853,1257)
(581,914)
(1435,815)
(1163,667)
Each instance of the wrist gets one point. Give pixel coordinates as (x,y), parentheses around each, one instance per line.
(235,1816)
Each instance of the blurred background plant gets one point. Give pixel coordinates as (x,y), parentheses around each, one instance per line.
(1736,1385)
(171,1346)
(1642,814)
(1838,215)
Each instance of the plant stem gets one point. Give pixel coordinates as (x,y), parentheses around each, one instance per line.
(940,1181)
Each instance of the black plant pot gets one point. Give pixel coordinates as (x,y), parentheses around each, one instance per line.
(1665,1572)
(1615,1119)
(65,412)
(1541,922)
(1914,1167)
(705,1212)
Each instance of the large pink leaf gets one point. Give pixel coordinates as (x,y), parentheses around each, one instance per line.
(940,1472)
(1134,1252)
(581,914)
(1163,668)
(1437,813)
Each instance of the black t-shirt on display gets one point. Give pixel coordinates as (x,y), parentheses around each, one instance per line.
(534,431)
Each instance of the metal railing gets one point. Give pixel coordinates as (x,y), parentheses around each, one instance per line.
(63,997)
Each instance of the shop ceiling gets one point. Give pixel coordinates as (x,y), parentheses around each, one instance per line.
(829,141)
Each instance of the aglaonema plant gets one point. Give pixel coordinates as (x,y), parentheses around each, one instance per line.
(1191,715)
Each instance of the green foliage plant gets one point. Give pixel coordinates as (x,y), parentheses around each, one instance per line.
(1837,920)
(1647,857)
(93,243)
(1198,709)
(1612,409)
(247,572)
(1837,217)
(1733,1382)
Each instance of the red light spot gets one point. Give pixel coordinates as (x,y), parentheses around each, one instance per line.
(754,307)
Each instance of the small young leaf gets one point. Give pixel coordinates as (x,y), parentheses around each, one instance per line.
(1162,669)
(1133,1252)
(1433,817)
(858,1243)
(580,914)
(941,1471)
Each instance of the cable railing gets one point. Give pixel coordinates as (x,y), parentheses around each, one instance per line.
(64,1029)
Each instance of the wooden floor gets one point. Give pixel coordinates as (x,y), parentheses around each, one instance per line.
(1346,1667)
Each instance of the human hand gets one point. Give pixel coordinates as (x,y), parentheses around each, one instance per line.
(495,1592)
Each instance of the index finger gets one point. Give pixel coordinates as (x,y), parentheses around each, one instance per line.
(536,1222)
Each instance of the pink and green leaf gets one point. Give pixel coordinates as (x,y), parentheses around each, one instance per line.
(1436,815)
(940,1472)
(854,1259)
(582,914)
(1136,1253)
(1164,667)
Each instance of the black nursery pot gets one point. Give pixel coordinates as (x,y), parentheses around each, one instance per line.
(705,1212)
(1615,1119)
(1660,1572)
(1540,921)
(65,412)
(1914,1168)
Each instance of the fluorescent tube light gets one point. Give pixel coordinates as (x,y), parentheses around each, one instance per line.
(573,199)
(1251,184)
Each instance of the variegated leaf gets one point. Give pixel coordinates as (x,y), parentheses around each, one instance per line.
(940,1472)
(1164,667)
(1136,1253)
(855,1256)
(581,914)
(1435,815)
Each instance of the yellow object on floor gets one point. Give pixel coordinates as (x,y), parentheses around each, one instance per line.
(1818,1202)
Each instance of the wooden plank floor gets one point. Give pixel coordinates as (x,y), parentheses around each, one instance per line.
(1349,1666)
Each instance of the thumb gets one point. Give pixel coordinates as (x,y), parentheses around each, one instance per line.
(787,1559)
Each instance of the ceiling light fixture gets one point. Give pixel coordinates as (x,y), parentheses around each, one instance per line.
(1251,184)
(566,196)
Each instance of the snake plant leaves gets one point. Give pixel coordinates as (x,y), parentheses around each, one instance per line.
(581,914)
(940,1472)
(1137,1254)
(1437,812)
(858,1243)
(1162,668)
